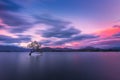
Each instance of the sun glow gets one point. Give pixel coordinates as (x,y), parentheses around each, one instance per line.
(24,44)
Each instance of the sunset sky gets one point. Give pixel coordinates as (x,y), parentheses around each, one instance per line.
(60,23)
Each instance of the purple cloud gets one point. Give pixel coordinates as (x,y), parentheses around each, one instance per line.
(8,39)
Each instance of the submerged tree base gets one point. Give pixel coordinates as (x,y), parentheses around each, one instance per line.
(35,51)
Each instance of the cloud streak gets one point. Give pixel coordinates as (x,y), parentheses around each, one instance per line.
(8,39)
(75,39)
(18,23)
(8,5)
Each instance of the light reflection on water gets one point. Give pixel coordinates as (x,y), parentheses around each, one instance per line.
(60,66)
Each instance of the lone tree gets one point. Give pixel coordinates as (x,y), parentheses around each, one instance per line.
(34,46)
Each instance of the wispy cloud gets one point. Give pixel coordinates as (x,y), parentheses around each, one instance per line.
(8,39)
(27,20)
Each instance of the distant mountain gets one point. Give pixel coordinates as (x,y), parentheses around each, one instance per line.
(48,49)
(86,49)
(7,48)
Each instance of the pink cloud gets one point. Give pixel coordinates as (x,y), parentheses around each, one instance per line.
(106,39)
(3,24)
(108,32)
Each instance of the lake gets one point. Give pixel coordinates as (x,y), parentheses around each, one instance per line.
(60,66)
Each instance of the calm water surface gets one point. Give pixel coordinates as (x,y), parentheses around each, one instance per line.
(60,66)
